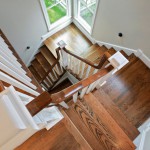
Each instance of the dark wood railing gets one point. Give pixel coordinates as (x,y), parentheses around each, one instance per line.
(45,98)
(47,79)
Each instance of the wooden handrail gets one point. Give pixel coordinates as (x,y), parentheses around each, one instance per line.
(70,91)
(43,100)
(56,62)
(105,56)
(39,103)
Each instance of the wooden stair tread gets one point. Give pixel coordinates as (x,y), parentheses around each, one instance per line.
(107,124)
(48,55)
(50,43)
(90,50)
(117,114)
(57,138)
(111,51)
(39,69)
(97,53)
(42,60)
(83,129)
(124,54)
(130,92)
(35,74)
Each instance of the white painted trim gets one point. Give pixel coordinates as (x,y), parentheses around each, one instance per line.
(139,53)
(60,21)
(34,53)
(16,75)
(17,84)
(143,57)
(139,141)
(81,28)
(116,47)
(56,29)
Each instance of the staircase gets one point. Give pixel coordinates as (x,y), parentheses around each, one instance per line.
(98,127)
(97,114)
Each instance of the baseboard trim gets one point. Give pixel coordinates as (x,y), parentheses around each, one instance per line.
(139,53)
(116,47)
(143,57)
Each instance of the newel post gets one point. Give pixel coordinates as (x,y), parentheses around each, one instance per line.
(64,55)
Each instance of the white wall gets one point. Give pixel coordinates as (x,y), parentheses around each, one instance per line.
(131,17)
(23,23)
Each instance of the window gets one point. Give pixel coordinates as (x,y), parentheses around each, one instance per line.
(86,12)
(55,11)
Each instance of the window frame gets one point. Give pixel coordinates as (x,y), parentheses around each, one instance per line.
(82,22)
(58,22)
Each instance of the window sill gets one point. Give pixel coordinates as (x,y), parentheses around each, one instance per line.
(60,25)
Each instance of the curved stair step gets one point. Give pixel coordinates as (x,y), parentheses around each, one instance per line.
(116,114)
(113,133)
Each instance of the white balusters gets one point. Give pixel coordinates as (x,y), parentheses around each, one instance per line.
(88,71)
(68,62)
(17,76)
(4,77)
(58,70)
(50,75)
(75,97)
(82,70)
(83,92)
(63,104)
(78,66)
(74,65)
(61,62)
(71,64)
(64,58)
(95,71)
(54,73)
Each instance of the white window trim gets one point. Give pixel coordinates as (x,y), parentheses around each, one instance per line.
(60,21)
(81,21)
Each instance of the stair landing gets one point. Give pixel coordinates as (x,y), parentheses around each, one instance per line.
(129,89)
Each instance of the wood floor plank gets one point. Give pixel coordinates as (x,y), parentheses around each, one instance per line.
(130,130)
(130,90)
(108,125)
(57,138)
(42,60)
(83,129)
(72,37)
(48,55)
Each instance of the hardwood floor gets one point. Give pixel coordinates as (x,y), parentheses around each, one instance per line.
(74,39)
(130,91)
(106,119)
(57,138)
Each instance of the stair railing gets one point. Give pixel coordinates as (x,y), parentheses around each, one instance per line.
(77,65)
(13,71)
(54,73)
(76,91)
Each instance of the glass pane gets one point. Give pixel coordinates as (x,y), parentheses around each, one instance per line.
(93,7)
(49,3)
(87,10)
(56,12)
(87,15)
